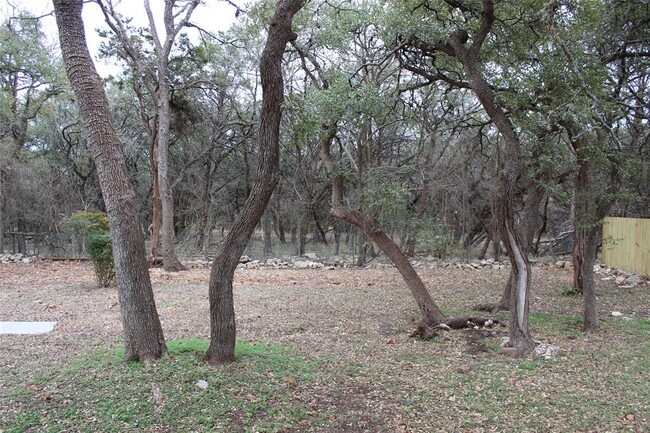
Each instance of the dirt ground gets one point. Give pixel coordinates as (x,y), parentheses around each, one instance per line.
(360,316)
(317,311)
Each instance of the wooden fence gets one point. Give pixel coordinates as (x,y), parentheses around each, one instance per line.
(626,244)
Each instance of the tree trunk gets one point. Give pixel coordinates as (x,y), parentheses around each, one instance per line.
(143,335)
(431,314)
(362,257)
(222,313)
(267,230)
(586,228)
(526,229)
(167,235)
(155,205)
(204,213)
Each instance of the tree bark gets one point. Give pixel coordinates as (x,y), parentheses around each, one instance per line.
(143,335)
(155,203)
(267,230)
(526,229)
(222,312)
(431,314)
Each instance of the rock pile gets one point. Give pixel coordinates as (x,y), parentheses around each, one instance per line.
(17,258)
(623,279)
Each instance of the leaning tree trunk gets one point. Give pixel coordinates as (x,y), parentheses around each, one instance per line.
(222,311)
(431,314)
(143,335)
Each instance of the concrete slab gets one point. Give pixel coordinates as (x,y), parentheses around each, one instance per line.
(26,327)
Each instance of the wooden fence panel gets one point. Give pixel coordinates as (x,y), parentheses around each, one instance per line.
(626,244)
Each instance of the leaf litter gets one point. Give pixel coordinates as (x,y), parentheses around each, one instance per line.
(359,321)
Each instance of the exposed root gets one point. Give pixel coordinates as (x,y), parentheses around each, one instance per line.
(426,331)
(519,351)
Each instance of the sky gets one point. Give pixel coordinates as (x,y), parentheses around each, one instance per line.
(211,15)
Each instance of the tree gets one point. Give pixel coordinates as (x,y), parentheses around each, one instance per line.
(360,108)
(158,85)
(604,70)
(28,81)
(222,313)
(456,46)
(143,335)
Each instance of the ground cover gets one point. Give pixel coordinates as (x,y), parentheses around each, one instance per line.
(320,351)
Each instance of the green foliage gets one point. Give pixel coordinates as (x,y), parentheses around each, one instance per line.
(93,228)
(84,223)
(100,250)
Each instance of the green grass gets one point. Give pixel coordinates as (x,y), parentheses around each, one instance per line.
(97,392)
(593,385)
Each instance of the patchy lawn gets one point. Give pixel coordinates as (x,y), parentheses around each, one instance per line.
(320,351)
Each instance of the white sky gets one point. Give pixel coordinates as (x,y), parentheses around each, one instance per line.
(211,15)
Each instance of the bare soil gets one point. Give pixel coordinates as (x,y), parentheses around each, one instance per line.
(356,316)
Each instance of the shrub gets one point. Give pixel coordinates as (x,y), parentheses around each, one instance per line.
(100,250)
(92,227)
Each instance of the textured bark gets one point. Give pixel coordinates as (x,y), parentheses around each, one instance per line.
(526,229)
(155,204)
(222,312)
(431,314)
(143,335)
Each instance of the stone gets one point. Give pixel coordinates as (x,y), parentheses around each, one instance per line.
(634,280)
(301,264)
(202,384)
(616,314)
(244,259)
(620,280)
(548,351)
(559,264)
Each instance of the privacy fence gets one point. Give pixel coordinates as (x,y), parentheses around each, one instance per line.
(626,244)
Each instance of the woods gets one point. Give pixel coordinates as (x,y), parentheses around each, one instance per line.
(415,128)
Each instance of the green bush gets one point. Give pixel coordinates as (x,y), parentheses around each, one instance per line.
(86,223)
(100,250)
(92,227)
